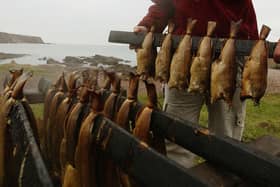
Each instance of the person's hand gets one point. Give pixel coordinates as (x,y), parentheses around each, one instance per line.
(138,29)
(276,53)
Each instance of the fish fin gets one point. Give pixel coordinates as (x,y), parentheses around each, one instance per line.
(265,30)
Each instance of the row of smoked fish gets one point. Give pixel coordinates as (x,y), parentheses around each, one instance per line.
(200,72)
(9,151)
(74,156)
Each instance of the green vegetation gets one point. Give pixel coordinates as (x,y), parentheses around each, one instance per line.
(260,120)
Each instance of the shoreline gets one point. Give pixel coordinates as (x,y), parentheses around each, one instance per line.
(5,56)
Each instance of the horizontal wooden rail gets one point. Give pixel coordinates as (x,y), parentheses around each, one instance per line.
(243,47)
(145,165)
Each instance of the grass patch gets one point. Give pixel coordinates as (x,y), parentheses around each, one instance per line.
(260,120)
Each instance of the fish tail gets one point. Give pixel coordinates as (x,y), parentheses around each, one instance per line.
(211,27)
(234,28)
(265,30)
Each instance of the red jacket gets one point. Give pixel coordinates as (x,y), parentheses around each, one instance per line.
(221,11)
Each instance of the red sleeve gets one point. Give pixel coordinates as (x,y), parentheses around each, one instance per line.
(250,22)
(158,14)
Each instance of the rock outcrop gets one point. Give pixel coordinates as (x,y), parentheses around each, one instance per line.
(16,38)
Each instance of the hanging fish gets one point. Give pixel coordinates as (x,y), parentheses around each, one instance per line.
(15,73)
(111,104)
(85,155)
(224,69)
(73,124)
(146,56)
(48,99)
(181,61)
(55,102)
(164,56)
(201,65)
(123,113)
(254,77)
(71,178)
(59,118)
(143,121)
(7,172)
(123,119)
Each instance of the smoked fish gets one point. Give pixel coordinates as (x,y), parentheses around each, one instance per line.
(181,60)
(201,65)
(224,70)
(146,56)
(164,56)
(254,77)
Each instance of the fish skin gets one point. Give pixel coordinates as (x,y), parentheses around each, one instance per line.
(254,76)
(201,65)
(60,115)
(143,121)
(85,155)
(77,114)
(164,56)
(146,56)
(48,99)
(181,60)
(71,177)
(224,70)
(123,120)
(110,106)
(15,74)
(51,125)
(123,113)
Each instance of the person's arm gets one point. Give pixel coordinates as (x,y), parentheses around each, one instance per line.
(158,14)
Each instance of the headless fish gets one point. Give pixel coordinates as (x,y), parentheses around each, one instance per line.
(123,113)
(85,155)
(60,115)
(201,65)
(224,69)
(146,56)
(181,61)
(164,56)
(254,77)
(143,121)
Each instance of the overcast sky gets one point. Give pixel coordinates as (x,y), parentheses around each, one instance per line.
(90,21)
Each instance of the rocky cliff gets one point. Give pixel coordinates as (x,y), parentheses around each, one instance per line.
(16,38)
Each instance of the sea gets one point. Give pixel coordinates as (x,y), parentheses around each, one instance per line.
(38,53)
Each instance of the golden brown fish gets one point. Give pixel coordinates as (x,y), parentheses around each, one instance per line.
(143,121)
(7,172)
(15,73)
(224,69)
(254,77)
(71,177)
(123,119)
(51,125)
(58,128)
(164,56)
(85,155)
(48,99)
(123,113)
(201,65)
(146,56)
(73,124)
(111,107)
(181,60)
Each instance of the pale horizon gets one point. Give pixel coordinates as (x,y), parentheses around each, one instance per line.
(90,21)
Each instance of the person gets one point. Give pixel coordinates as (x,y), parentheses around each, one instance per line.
(221,119)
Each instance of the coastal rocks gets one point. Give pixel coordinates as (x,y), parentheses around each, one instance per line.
(107,63)
(52,61)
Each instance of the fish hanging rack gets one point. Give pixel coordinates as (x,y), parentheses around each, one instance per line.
(243,47)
